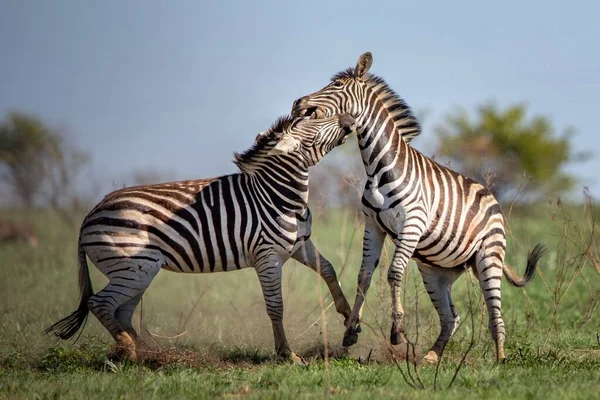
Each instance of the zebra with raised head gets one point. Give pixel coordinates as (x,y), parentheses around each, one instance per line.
(257,218)
(442,219)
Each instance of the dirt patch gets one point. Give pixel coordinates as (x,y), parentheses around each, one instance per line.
(203,357)
(381,352)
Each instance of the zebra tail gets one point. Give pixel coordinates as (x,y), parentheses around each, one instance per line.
(534,256)
(67,327)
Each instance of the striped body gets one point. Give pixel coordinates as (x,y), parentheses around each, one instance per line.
(444,215)
(197,226)
(256,218)
(445,221)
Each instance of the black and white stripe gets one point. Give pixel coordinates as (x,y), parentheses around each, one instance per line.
(256,218)
(442,219)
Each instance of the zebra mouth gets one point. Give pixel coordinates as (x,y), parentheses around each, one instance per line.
(312,113)
(343,140)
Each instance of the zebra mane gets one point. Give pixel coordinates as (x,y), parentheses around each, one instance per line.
(405,121)
(262,144)
(348,73)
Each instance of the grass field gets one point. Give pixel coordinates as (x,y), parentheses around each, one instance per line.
(209,335)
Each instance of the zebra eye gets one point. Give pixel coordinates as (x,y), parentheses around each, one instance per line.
(338,83)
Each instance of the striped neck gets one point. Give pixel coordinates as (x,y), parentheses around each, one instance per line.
(386,120)
(380,143)
(284,182)
(382,105)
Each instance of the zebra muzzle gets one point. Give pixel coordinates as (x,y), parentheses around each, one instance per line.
(348,123)
(317,114)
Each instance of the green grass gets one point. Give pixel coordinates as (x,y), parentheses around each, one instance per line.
(209,335)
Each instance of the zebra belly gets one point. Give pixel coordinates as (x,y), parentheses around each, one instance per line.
(437,249)
(446,251)
(222,266)
(448,262)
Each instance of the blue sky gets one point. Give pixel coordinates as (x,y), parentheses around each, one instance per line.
(179,87)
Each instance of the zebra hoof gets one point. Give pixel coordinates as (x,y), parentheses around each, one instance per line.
(501,358)
(397,337)
(124,348)
(350,338)
(431,357)
(297,360)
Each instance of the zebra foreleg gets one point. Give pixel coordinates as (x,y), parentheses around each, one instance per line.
(405,247)
(269,275)
(438,282)
(310,256)
(372,245)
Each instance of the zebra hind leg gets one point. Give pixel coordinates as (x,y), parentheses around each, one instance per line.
(438,283)
(114,305)
(124,315)
(489,262)
(104,305)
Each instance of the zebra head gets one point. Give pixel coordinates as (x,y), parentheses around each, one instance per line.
(346,93)
(312,139)
(306,141)
(364,96)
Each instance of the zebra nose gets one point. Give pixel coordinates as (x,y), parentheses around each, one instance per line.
(297,107)
(348,123)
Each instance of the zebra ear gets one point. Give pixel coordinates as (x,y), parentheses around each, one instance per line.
(286,145)
(364,64)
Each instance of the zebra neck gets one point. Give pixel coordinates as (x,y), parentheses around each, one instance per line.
(380,143)
(382,106)
(283,186)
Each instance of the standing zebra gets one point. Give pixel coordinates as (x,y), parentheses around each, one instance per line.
(442,219)
(257,218)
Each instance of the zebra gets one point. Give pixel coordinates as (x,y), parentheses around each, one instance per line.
(255,218)
(442,219)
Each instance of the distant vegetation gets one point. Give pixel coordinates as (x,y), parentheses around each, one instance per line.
(520,159)
(38,165)
(514,156)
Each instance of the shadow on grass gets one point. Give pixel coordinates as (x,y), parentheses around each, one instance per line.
(95,355)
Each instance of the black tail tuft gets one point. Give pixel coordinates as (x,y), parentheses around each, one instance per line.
(67,327)
(534,256)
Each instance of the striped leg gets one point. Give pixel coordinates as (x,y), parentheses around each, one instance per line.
(269,275)
(114,305)
(489,262)
(438,282)
(104,305)
(372,245)
(405,247)
(310,256)
(124,315)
